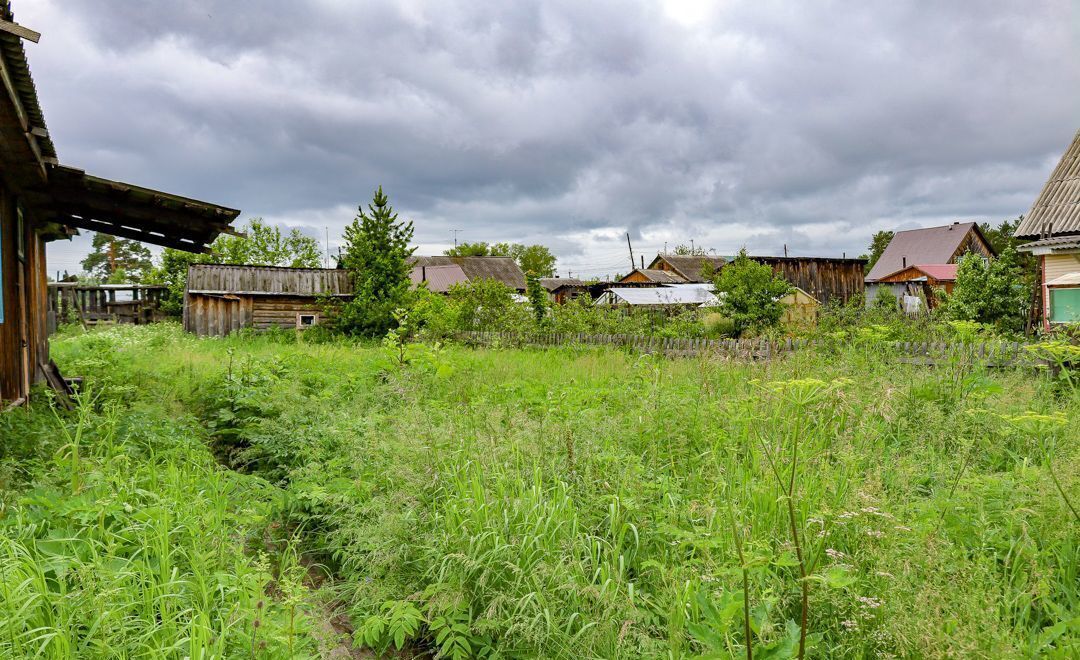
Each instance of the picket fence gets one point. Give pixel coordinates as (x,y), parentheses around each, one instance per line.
(993,354)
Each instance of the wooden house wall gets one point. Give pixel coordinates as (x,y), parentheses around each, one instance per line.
(824,280)
(23,337)
(218,315)
(281,311)
(973,242)
(635,276)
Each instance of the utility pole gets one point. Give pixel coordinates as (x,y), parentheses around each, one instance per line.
(785,250)
(455,233)
(632,266)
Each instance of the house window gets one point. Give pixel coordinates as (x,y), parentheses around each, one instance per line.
(1065,305)
(306,320)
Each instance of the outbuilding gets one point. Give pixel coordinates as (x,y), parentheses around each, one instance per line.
(221,299)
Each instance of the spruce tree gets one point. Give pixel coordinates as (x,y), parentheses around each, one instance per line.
(376,254)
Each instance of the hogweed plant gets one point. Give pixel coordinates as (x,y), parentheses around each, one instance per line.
(802,399)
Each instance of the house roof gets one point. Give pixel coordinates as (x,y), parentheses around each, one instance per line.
(553,284)
(658,276)
(439,278)
(222,279)
(940,272)
(500,269)
(664,295)
(77,199)
(931,245)
(689,266)
(1052,244)
(1057,208)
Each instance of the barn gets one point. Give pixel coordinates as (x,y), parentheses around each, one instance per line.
(822,278)
(221,299)
(42,200)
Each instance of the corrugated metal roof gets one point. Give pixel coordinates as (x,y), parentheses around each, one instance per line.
(439,278)
(1057,208)
(931,245)
(663,295)
(268,280)
(501,269)
(1052,243)
(1066,279)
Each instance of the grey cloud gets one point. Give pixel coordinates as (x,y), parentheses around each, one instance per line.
(544,121)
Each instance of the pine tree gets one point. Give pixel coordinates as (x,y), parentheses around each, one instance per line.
(377,255)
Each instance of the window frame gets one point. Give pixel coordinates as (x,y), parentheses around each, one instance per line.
(1050,300)
(300,316)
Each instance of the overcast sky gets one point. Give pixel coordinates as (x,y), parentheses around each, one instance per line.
(568,123)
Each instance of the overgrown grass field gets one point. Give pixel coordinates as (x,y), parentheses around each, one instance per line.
(227,498)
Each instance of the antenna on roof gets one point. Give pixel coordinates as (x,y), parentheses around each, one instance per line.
(455,233)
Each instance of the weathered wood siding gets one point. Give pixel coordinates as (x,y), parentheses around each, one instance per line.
(824,279)
(281,311)
(216,315)
(23,337)
(241,280)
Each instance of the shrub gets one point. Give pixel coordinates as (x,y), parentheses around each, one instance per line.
(750,294)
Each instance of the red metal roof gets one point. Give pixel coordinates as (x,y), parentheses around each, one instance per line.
(931,245)
(943,272)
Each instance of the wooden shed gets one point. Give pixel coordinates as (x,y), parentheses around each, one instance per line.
(800,308)
(41,200)
(221,298)
(822,278)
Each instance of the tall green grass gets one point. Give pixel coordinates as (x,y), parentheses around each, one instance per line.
(596,503)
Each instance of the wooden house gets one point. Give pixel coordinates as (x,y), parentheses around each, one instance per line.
(221,299)
(41,200)
(1054,225)
(822,278)
(917,281)
(652,276)
(930,245)
(688,268)
(564,289)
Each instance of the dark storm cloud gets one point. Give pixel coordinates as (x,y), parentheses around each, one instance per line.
(752,123)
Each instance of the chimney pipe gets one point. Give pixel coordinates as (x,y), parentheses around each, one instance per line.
(642,262)
(904,261)
(423,273)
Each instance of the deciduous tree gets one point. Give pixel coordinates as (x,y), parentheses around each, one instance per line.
(750,294)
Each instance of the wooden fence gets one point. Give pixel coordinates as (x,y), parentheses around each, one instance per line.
(993,354)
(103,303)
